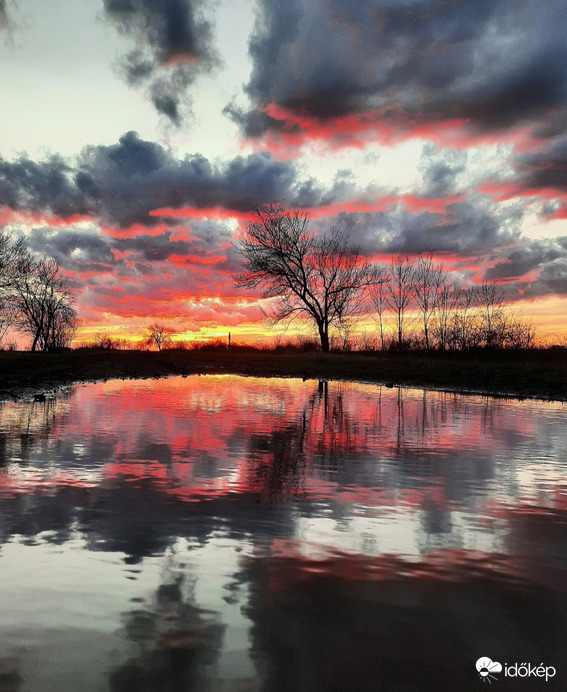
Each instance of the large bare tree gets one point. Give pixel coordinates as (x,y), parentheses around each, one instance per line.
(43,303)
(322,278)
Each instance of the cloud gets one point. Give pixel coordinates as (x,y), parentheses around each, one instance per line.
(440,169)
(541,175)
(47,186)
(546,169)
(4,22)
(533,269)
(472,227)
(529,257)
(174,45)
(135,177)
(489,65)
(124,183)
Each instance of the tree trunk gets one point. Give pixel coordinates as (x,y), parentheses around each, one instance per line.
(324,335)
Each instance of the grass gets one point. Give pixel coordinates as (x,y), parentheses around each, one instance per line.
(540,373)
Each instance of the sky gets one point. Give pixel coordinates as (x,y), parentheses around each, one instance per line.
(137,137)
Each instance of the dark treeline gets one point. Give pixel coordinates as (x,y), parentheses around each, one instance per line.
(418,306)
(35,299)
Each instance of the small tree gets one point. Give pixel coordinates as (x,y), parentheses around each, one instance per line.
(322,278)
(442,315)
(429,282)
(402,291)
(378,293)
(490,300)
(159,335)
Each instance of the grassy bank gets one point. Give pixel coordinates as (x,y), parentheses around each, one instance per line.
(533,373)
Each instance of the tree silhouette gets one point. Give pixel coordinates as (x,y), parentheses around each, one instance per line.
(158,335)
(318,277)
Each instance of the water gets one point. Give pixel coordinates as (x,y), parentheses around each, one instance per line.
(228,533)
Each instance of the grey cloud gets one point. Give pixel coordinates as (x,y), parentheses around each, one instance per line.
(3,15)
(153,248)
(552,279)
(85,249)
(174,46)
(529,257)
(133,177)
(49,185)
(467,228)
(546,169)
(255,123)
(210,232)
(123,182)
(73,248)
(493,62)
(439,169)
(547,258)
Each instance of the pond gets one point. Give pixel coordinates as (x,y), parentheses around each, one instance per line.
(230,533)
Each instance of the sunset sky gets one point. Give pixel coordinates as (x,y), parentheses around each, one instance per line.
(136,136)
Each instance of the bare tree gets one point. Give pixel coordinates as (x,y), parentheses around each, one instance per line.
(464,332)
(12,254)
(402,291)
(322,278)
(158,335)
(44,303)
(378,293)
(490,301)
(446,305)
(429,282)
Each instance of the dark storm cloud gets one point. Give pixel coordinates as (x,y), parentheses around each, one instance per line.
(153,248)
(253,123)
(493,62)
(62,243)
(133,177)
(46,186)
(174,45)
(551,280)
(547,169)
(124,182)
(75,249)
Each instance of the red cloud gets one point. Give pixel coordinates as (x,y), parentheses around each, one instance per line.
(134,230)
(195,259)
(384,126)
(44,218)
(218,213)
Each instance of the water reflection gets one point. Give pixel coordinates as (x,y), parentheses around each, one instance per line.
(238,533)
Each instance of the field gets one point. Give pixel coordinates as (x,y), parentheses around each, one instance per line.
(539,373)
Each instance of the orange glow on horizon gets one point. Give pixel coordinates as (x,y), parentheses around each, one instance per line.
(547,316)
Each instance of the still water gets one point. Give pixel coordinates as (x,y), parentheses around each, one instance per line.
(229,533)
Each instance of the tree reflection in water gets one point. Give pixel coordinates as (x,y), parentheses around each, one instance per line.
(353,536)
(178,642)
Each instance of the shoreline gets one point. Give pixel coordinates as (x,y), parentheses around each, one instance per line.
(534,374)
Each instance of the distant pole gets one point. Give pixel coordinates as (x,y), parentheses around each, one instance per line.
(228,340)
